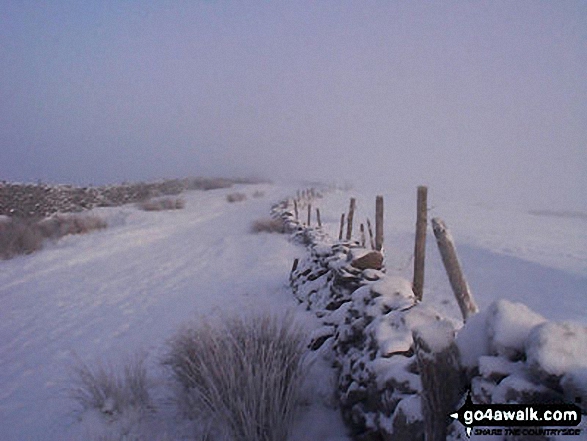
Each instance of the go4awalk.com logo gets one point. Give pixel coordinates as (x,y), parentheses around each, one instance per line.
(519,419)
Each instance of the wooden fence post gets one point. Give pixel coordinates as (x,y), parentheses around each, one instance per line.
(309,213)
(318,218)
(349,228)
(452,265)
(295,264)
(371,240)
(379,223)
(420,246)
(296,208)
(363,235)
(341,226)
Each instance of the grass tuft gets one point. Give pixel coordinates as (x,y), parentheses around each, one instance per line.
(268,225)
(18,236)
(161,204)
(108,391)
(236,197)
(245,373)
(25,236)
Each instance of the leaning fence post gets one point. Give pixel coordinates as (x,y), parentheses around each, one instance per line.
(318,218)
(296,208)
(341,226)
(420,246)
(452,265)
(349,228)
(379,223)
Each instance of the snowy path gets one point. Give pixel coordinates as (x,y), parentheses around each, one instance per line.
(109,294)
(106,295)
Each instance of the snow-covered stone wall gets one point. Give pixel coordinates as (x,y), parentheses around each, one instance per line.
(513,355)
(369,319)
(504,354)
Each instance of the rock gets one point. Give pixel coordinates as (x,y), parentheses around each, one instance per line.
(508,326)
(555,349)
(407,421)
(574,384)
(370,260)
(517,389)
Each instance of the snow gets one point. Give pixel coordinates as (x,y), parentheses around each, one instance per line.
(557,348)
(508,326)
(437,335)
(395,368)
(509,390)
(491,365)
(574,384)
(128,288)
(540,261)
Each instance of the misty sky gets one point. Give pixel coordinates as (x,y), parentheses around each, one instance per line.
(481,99)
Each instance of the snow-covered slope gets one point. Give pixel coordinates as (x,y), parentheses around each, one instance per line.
(105,295)
(505,253)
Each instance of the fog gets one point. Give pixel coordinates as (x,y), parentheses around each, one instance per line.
(479,100)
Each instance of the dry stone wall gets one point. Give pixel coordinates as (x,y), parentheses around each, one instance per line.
(368,323)
(388,347)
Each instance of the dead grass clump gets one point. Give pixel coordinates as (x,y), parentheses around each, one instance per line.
(208,183)
(19,236)
(109,391)
(245,373)
(161,204)
(236,197)
(268,225)
(25,236)
(64,224)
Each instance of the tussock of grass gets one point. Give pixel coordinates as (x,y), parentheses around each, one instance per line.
(161,204)
(25,236)
(236,197)
(109,391)
(268,225)
(60,225)
(19,237)
(246,374)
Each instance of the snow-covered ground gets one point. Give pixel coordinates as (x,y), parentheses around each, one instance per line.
(109,294)
(505,253)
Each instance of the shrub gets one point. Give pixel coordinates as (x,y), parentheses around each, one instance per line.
(25,236)
(268,225)
(62,224)
(246,374)
(162,204)
(108,391)
(208,183)
(19,236)
(258,194)
(236,197)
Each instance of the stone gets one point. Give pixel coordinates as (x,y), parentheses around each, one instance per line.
(370,260)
